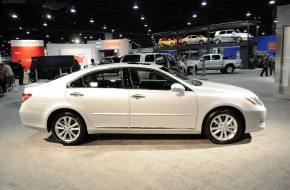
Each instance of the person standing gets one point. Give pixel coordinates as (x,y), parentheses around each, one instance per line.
(8,76)
(272,63)
(20,69)
(265,65)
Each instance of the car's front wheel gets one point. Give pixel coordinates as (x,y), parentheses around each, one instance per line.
(68,128)
(223,126)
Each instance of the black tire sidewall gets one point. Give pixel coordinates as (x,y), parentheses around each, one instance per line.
(220,112)
(78,119)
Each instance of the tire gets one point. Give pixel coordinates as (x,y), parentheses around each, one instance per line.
(33,80)
(201,42)
(218,41)
(229,69)
(219,131)
(55,76)
(68,128)
(191,70)
(184,43)
(1,92)
(239,39)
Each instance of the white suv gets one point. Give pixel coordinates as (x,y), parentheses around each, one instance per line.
(155,58)
(230,36)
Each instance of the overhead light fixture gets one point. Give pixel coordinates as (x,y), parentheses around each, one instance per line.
(47,35)
(275,21)
(85,37)
(13,15)
(20,28)
(72,10)
(263,33)
(188,23)
(27,32)
(91,37)
(194,15)
(203,3)
(149,30)
(248,14)
(48,16)
(44,24)
(145,25)
(120,35)
(113,30)
(135,6)
(142,17)
(77,41)
(272,2)
(92,20)
(104,27)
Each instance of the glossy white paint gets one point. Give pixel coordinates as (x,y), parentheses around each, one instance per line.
(113,110)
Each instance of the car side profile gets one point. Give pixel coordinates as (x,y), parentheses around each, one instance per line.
(143,99)
(195,39)
(230,36)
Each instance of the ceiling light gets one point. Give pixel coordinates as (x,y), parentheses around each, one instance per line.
(92,20)
(145,25)
(194,15)
(62,38)
(13,15)
(20,28)
(120,35)
(275,20)
(17,38)
(48,16)
(85,37)
(135,6)
(263,33)
(142,17)
(44,24)
(91,37)
(248,14)
(77,41)
(149,30)
(72,10)
(203,3)
(27,32)
(80,34)
(188,23)
(272,2)
(113,30)
(104,27)
(47,36)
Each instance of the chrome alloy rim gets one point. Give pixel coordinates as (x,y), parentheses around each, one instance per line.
(67,129)
(229,69)
(223,127)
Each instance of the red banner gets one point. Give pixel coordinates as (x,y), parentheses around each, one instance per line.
(25,49)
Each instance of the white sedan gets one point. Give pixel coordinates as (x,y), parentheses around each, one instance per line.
(135,98)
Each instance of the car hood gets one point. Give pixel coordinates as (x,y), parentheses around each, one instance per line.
(225,88)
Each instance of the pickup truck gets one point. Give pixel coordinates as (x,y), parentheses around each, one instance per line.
(213,62)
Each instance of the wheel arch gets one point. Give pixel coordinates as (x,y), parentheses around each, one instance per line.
(224,107)
(62,110)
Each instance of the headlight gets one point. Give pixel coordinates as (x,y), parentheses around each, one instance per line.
(255,101)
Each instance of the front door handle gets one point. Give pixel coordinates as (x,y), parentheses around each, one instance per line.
(76,94)
(137,96)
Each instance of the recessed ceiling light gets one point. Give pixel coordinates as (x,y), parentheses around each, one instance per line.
(20,28)
(27,32)
(80,34)
(275,20)
(203,3)
(13,15)
(135,6)
(272,2)
(104,27)
(44,24)
(72,10)
(47,36)
(263,33)
(149,30)
(113,30)
(142,17)
(188,23)
(91,37)
(248,14)
(194,15)
(92,20)
(48,16)
(145,25)
(17,38)
(120,35)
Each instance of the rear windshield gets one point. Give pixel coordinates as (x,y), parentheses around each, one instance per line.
(131,58)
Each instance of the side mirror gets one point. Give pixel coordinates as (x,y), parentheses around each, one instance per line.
(176,87)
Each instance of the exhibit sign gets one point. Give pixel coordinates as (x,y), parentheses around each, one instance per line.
(271,45)
(25,49)
(83,56)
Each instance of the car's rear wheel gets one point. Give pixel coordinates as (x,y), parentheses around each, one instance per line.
(184,43)
(68,128)
(201,42)
(218,41)
(223,126)
(239,39)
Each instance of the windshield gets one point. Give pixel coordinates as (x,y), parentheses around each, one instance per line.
(182,77)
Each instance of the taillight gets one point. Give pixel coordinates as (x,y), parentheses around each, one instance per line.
(25,96)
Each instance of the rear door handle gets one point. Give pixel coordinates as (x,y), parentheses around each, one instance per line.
(76,94)
(137,96)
